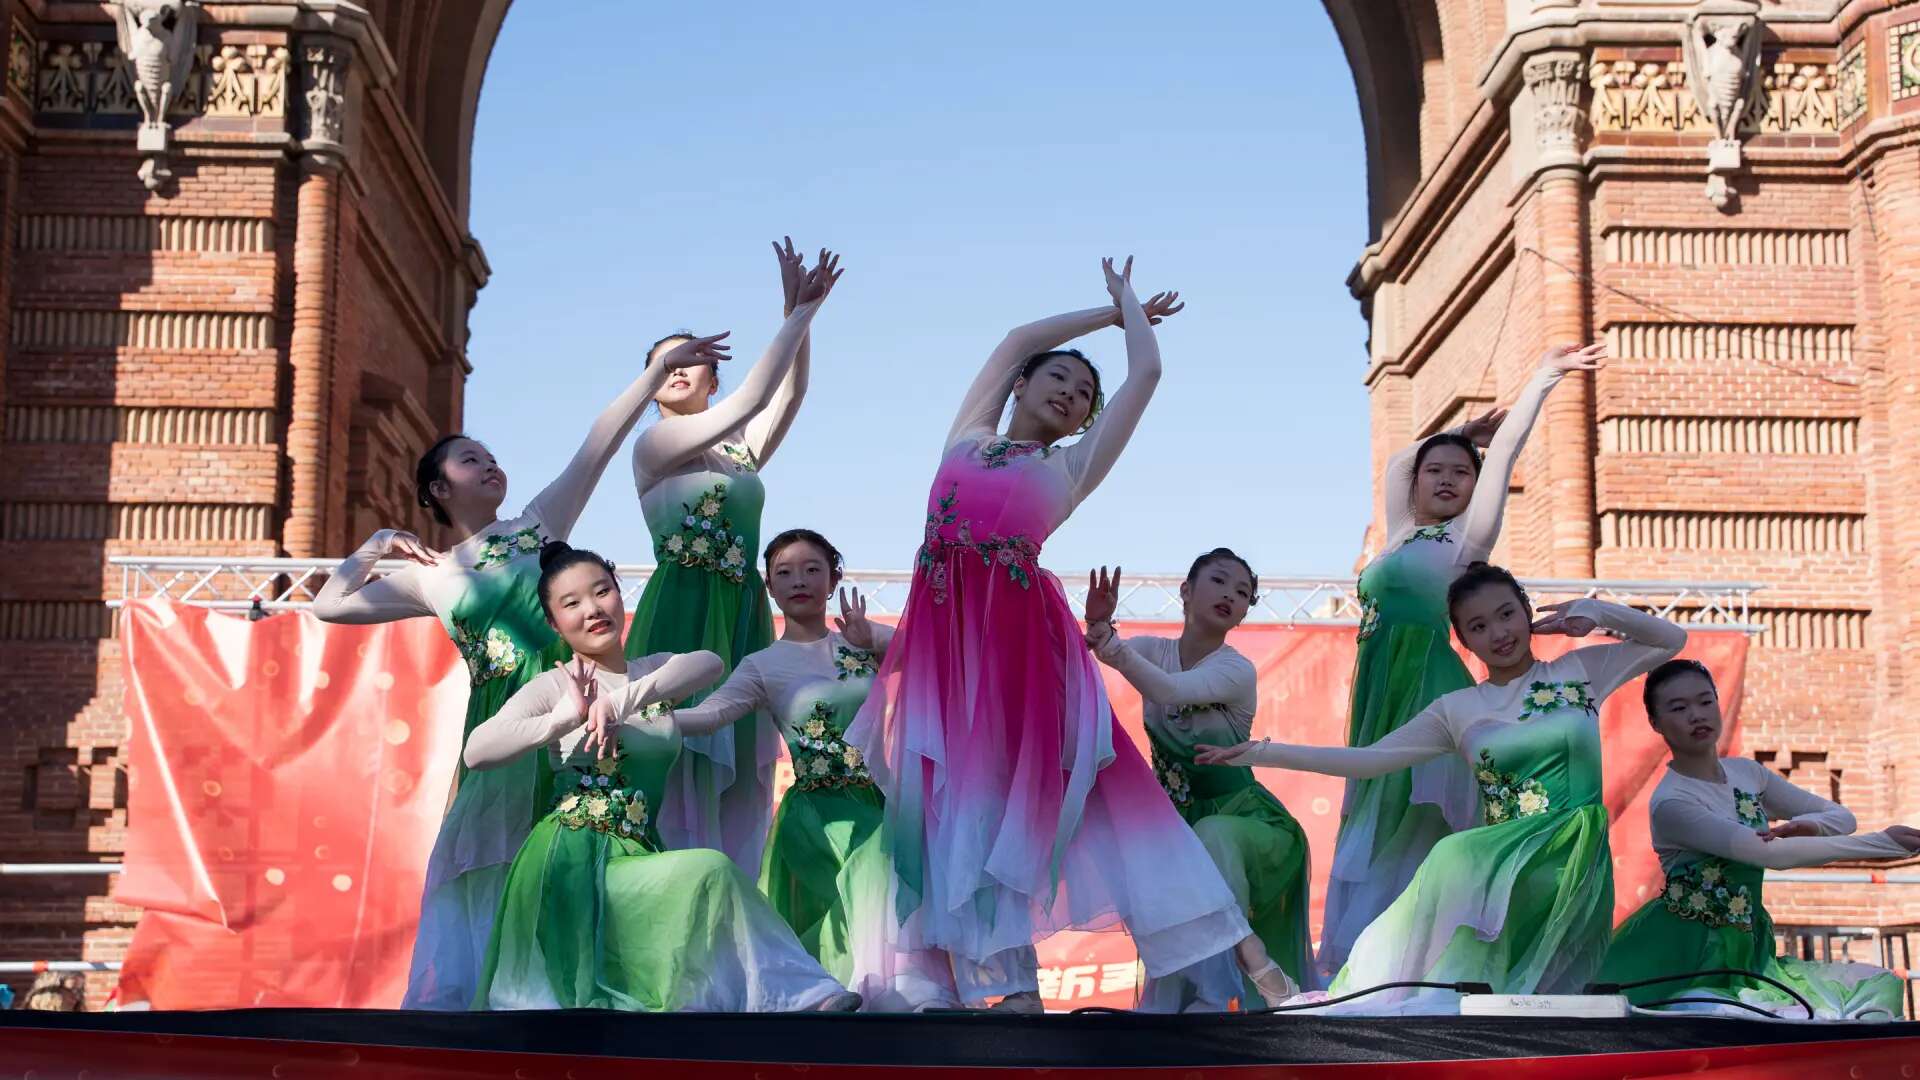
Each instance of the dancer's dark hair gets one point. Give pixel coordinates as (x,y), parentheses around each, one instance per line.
(1099,396)
(1479,575)
(430,468)
(804,536)
(557,556)
(1221,554)
(1668,672)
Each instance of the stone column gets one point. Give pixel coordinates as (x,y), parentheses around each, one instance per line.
(1554,82)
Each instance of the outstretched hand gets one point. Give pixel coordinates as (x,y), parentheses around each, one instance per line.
(582,689)
(793,270)
(1575,358)
(821,279)
(695,352)
(852,623)
(600,725)
(1209,754)
(1119,283)
(1481,429)
(1555,620)
(1789,828)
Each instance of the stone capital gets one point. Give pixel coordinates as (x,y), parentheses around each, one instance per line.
(1551,103)
(324,62)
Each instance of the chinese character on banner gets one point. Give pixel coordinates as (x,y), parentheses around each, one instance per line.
(1050,983)
(1119,978)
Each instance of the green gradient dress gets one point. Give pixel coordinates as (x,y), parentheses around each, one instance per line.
(826,869)
(1524,901)
(1258,847)
(706,593)
(596,914)
(1404,662)
(1709,912)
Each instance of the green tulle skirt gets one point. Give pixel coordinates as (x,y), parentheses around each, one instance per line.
(593,920)
(1402,667)
(1525,906)
(1657,941)
(1261,852)
(719,794)
(827,872)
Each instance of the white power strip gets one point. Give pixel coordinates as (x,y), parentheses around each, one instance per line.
(1603,1005)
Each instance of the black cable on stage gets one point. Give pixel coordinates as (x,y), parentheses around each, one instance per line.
(1615,988)
(1457,987)
(1709,1001)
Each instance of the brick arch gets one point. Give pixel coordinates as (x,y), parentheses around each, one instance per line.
(1388,52)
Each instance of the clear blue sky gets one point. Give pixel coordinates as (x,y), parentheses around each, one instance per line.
(973,162)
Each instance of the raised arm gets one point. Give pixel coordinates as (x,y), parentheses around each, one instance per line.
(1089,460)
(349,596)
(1423,738)
(744,692)
(1483,515)
(559,504)
(1783,799)
(1223,678)
(680,675)
(536,715)
(1649,641)
(980,409)
(665,446)
(769,427)
(1683,823)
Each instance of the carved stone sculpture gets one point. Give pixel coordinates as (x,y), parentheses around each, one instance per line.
(157,38)
(1723,65)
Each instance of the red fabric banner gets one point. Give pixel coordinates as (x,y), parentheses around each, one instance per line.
(286,778)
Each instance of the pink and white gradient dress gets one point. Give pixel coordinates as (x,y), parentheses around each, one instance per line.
(1017,805)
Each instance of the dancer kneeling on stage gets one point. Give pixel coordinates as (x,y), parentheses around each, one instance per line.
(594,913)
(1197,688)
(1709,819)
(1524,903)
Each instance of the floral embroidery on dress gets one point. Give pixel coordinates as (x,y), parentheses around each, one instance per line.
(1544,697)
(1017,553)
(497,550)
(1173,780)
(1748,809)
(1436,533)
(1369,616)
(602,800)
(1700,892)
(741,456)
(489,656)
(704,542)
(1505,796)
(851,663)
(1003,451)
(821,758)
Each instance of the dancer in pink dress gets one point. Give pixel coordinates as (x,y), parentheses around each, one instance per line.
(1017,805)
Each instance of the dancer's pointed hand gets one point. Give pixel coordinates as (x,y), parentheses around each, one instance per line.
(1575,358)
(1481,429)
(821,279)
(793,270)
(1103,595)
(1555,620)
(581,688)
(1161,306)
(694,352)
(400,544)
(1209,754)
(1119,283)
(600,725)
(852,623)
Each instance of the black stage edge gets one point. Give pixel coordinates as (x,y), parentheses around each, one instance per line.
(370,1042)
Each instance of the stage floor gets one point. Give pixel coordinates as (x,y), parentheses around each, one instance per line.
(592,1044)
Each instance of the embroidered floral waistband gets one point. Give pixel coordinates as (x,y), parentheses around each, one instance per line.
(1505,796)
(603,801)
(706,540)
(822,759)
(948,534)
(1704,893)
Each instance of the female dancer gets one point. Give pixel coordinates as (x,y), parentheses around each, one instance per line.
(826,869)
(1197,687)
(1709,819)
(1443,512)
(697,473)
(595,914)
(1524,902)
(1016,806)
(482,591)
